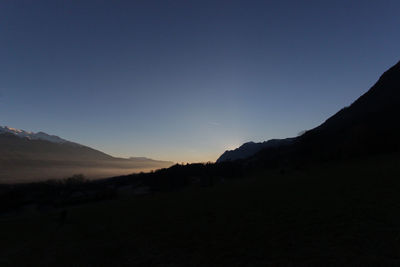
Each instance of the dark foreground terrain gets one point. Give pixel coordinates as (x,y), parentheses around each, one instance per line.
(342,213)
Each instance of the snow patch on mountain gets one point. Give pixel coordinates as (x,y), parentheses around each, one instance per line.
(32,135)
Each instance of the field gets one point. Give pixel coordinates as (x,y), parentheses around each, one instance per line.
(333,214)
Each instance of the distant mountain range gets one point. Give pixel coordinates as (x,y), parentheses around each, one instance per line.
(27,156)
(33,136)
(369,126)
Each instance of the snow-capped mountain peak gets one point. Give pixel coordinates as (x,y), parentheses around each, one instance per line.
(32,135)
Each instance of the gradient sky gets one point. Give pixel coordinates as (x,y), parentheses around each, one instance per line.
(185,80)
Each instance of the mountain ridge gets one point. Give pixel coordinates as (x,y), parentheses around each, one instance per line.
(368,126)
(34,156)
(354,129)
(33,136)
(250,148)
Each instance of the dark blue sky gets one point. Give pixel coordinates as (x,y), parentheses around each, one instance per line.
(185,80)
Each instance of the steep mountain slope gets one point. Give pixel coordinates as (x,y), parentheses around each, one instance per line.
(373,118)
(369,126)
(26,156)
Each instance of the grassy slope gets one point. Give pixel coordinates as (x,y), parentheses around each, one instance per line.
(340,214)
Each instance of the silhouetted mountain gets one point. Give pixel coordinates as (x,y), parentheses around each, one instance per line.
(369,126)
(250,148)
(25,155)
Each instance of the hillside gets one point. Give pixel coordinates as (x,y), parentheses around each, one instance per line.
(337,214)
(368,126)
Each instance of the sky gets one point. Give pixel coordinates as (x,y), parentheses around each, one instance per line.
(186,80)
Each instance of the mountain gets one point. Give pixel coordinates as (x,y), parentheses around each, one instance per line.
(32,136)
(27,156)
(368,126)
(250,148)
